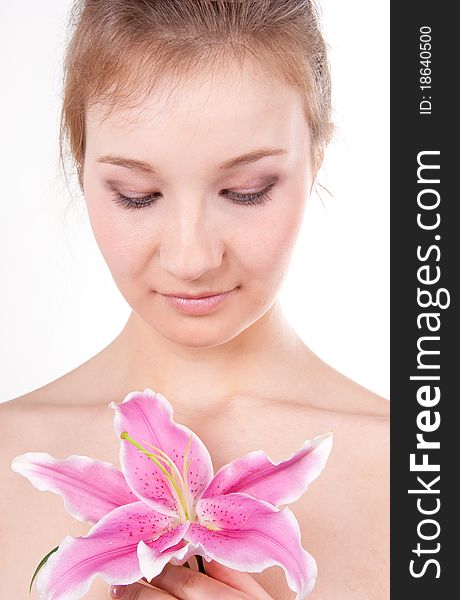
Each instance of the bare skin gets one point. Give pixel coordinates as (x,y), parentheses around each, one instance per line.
(343,516)
(239,376)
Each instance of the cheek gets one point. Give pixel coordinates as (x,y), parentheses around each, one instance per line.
(266,249)
(123,244)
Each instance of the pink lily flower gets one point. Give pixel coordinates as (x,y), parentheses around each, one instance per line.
(165,505)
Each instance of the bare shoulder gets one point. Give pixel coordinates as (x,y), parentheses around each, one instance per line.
(91,383)
(330,389)
(23,509)
(344,515)
(22,421)
(33,521)
(350,533)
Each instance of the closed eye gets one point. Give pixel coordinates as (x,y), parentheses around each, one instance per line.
(255,198)
(245,199)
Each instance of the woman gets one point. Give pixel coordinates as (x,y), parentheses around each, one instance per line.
(197,129)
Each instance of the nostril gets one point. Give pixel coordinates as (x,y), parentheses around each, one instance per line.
(117,591)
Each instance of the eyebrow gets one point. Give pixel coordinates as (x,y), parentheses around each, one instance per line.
(145,167)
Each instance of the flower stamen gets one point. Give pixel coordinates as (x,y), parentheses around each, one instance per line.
(170,471)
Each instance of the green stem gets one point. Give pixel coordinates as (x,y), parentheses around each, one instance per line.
(40,566)
(199,560)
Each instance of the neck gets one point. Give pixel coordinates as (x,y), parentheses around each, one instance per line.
(207,375)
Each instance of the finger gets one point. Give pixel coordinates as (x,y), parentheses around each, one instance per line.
(186,584)
(236,579)
(137,592)
(117,591)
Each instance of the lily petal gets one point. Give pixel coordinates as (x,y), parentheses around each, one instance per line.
(153,555)
(90,488)
(250,535)
(188,551)
(278,483)
(109,550)
(148,417)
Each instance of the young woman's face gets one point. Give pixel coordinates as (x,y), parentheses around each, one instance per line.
(218,173)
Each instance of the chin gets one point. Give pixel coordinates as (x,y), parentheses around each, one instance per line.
(200,332)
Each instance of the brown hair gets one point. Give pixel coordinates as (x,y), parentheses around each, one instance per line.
(118,49)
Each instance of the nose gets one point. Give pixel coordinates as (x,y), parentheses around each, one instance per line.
(190,245)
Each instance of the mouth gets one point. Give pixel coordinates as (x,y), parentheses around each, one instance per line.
(200,304)
(196,296)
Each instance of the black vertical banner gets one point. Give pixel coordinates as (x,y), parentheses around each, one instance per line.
(425,268)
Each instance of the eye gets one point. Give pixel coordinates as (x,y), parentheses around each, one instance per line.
(246,199)
(136,203)
(250,199)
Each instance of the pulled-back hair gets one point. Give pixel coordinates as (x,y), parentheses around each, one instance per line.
(118,50)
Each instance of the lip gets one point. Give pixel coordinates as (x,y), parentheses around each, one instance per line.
(197,305)
(195,296)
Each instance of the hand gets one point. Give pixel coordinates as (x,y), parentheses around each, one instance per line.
(181,583)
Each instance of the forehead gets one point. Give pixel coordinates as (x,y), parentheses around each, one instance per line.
(221,111)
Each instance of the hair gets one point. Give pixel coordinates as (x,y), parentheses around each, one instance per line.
(118,50)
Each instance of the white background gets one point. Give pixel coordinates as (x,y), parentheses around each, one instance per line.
(59,305)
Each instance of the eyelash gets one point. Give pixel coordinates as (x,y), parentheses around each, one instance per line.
(258,198)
